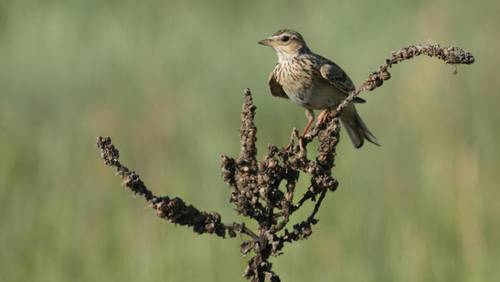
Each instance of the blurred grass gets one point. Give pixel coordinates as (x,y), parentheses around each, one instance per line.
(165,80)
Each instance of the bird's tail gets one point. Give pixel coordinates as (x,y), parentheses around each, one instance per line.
(356,128)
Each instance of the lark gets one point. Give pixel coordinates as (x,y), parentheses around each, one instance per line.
(314,83)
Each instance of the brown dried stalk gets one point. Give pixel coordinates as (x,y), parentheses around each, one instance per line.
(450,55)
(264,191)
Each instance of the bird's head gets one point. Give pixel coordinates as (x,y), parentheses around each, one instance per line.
(287,43)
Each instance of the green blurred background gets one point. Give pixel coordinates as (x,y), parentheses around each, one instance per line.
(165,80)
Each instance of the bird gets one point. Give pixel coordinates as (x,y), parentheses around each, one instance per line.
(314,82)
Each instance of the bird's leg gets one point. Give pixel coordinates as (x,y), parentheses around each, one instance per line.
(321,117)
(310,118)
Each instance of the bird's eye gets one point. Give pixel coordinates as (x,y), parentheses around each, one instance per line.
(285,38)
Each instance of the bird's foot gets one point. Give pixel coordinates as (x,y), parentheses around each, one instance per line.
(321,118)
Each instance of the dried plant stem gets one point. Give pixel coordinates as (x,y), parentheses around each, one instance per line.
(264,191)
(450,55)
(174,210)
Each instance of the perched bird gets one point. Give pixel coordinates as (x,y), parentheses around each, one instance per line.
(313,82)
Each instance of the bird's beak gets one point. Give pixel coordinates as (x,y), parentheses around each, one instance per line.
(266,42)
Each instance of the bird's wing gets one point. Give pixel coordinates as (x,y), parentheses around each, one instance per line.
(275,87)
(335,76)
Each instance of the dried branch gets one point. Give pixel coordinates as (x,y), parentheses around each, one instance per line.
(264,191)
(450,55)
(174,210)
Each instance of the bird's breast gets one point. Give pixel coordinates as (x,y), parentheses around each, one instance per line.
(296,80)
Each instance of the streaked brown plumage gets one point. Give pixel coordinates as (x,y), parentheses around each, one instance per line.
(313,82)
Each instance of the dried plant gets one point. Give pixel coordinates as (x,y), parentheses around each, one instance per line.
(265,191)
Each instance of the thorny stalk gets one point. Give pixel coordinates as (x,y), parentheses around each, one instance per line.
(265,191)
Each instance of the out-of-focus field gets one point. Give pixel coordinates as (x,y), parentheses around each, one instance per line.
(165,80)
